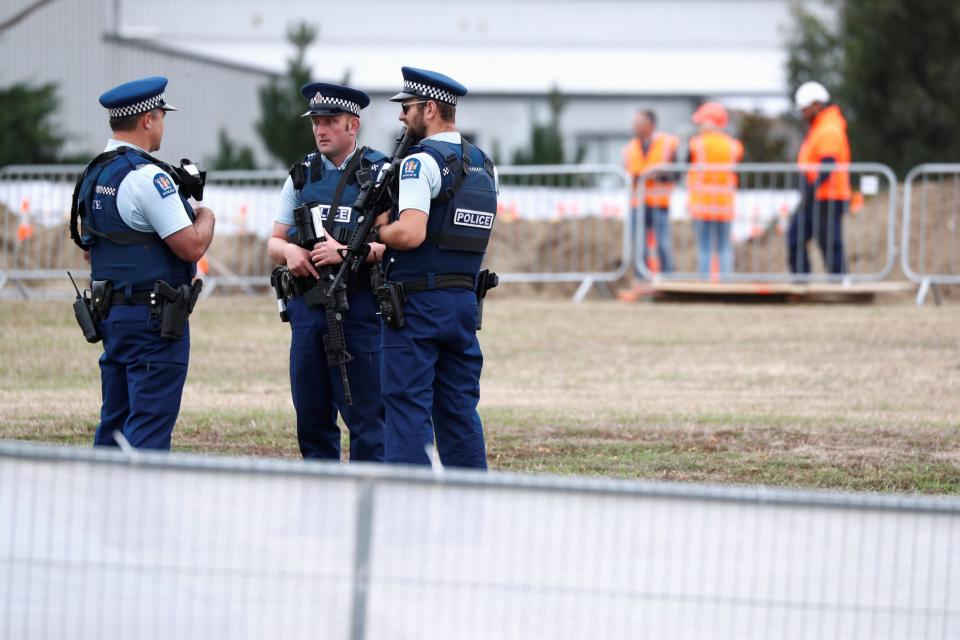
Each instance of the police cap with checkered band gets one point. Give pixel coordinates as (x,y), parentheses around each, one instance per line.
(420,83)
(135,97)
(325,99)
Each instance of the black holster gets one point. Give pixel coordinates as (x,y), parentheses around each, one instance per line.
(281,283)
(173,305)
(486,280)
(390,299)
(102,293)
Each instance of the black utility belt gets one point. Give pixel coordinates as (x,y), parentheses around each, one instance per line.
(392,295)
(137,297)
(446,281)
(171,305)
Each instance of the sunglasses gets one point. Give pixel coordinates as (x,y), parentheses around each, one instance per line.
(406,106)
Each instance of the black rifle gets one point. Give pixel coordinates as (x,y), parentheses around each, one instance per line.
(375,198)
(333,300)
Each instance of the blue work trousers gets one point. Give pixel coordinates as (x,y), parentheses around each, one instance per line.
(430,370)
(658,219)
(142,377)
(823,219)
(713,236)
(317,389)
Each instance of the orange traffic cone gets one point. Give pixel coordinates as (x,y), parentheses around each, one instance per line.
(25,230)
(653,258)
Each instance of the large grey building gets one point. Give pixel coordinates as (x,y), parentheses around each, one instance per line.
(607,57)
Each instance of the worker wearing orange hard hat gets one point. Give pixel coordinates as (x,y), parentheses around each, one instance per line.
(712,186)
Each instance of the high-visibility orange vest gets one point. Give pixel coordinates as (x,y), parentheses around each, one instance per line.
(712,192)
(827,137)
(662,150)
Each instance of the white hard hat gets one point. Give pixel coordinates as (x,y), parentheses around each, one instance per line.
(810,92)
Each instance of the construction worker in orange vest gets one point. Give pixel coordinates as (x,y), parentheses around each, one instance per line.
(712,187)
(825,194)
(648,149)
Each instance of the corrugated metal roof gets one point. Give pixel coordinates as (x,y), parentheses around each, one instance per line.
(515,70)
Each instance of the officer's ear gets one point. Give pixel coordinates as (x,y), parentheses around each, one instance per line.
(353,124)
(148,118)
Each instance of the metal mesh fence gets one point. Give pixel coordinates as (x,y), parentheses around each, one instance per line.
(769,239)
(930,252)
(96,545)
(555,224)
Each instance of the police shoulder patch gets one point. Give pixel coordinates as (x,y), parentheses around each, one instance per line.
(164,185)
(411,169)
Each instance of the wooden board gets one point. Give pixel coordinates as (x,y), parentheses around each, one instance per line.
(675,290)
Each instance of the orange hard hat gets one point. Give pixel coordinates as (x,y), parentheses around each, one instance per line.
(712,112)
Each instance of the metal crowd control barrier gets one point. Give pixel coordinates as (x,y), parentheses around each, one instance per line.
(930,253)
(246,204)
(561,223)
(35,245)
(97,545)
(762,200)
(555,224)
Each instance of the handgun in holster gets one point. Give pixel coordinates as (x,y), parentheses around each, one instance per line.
(280,281)
(486,280)
(173,305)
(389,297)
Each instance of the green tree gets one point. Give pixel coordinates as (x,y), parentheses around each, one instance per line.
(546,140)
(230,155)
(761,138)
(29,137)
(899,77)
(285,135)
(814,49)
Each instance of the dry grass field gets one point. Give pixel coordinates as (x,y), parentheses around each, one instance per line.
(847,397)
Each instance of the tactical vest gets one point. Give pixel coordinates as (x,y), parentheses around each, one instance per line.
(711,184)
(129,259)
(313,182)
(461,216)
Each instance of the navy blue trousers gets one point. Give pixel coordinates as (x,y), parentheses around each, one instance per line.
(823,219)
(430,370)
(318,391)
(142,378)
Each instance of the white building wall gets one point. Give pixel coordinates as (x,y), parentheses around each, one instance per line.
(69,42)
(87,46)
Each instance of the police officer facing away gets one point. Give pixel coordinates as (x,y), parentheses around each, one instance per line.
(139,231)
(430,367)
(327,180)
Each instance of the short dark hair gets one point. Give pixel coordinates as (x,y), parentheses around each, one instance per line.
(651,116)
(126,123)
(448,112)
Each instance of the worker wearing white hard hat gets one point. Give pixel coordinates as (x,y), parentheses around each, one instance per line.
(810,93)
(825,193)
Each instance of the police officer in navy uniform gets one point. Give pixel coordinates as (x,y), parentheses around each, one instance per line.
(138,230)
(430,367)
(328,177)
